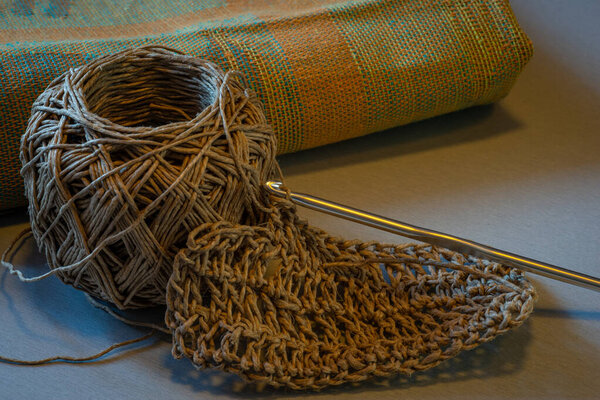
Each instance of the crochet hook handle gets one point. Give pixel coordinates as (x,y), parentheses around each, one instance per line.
(450,242)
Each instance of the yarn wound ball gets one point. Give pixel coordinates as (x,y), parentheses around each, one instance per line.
(123,157)
(144,172)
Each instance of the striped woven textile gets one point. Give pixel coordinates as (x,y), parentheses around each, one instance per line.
(326,70)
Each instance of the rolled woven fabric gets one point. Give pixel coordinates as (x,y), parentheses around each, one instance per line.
(326,71)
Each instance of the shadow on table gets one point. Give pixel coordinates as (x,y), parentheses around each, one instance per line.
(569,314)
(503,356)
(13,216)
(476,123)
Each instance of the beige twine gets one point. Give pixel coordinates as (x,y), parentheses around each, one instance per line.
(123,157)
(144,172)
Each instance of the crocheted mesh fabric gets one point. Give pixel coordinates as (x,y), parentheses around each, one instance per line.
(287,304)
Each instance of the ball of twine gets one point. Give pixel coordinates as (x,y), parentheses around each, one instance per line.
(123,157)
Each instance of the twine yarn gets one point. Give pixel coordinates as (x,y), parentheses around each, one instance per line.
(144,174)
(124,156)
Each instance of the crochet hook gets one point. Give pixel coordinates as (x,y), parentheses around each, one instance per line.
(441,239)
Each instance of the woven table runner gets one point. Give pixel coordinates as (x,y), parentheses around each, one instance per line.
(326,70)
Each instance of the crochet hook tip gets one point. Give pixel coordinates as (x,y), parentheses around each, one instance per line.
(274,186)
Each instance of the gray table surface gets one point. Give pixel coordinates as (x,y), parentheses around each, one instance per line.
(522,175)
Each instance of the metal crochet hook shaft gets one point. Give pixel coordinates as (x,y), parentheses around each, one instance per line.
(450,242)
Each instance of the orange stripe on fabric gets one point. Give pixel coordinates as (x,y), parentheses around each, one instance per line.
(329,83)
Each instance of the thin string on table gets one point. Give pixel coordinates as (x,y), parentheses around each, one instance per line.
(6,259)
(70,359)
(9,253)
